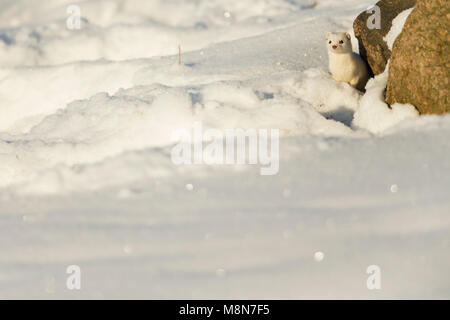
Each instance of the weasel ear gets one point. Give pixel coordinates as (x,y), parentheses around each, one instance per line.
(348,35)
(328,35)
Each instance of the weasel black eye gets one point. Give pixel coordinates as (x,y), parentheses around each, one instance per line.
(329,42)
(341,42)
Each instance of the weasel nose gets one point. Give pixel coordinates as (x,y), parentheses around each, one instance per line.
(335,47)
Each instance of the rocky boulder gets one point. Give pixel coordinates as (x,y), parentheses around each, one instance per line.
(419,69)
(373,49)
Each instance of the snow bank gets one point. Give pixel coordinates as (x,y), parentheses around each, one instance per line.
(29,94)
(131,29)
(174,13)
(374,114)
(336,100)
(91,131)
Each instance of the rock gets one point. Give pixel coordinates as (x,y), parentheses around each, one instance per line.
(419,69)
(372,48)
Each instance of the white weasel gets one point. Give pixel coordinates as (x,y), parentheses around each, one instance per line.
(345,65)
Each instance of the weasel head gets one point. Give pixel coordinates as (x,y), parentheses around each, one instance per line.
(339,43)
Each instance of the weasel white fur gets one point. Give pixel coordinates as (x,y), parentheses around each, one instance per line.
(345,65)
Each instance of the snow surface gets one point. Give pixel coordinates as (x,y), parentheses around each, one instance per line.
(86,176)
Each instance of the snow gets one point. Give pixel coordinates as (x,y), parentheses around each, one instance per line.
(397,27)
(374,114)
(86,177)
